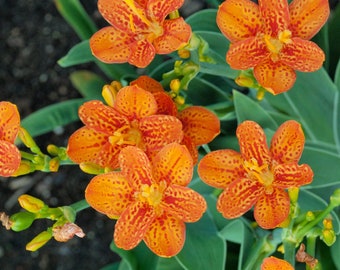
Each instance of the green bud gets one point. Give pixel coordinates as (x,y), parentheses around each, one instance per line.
(335,198)
(40,240)
(69,213)
(329,237)
(21,221)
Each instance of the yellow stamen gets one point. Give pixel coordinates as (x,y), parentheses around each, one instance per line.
(129,135)
(260,173)
(152,194)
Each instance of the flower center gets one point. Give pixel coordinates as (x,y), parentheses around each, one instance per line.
(274,45)
(152,195)
(128,135)
(259,173)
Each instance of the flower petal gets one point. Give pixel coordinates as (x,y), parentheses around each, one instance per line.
(253,144)
(287,142)
(221,167)
(276,77)
(84,145)
(307,17)
(239,197)
(9,121)
(165,236)
(183,203)
(192,148)
(173,164)
(135,103)
(148,84)
(292,175)
(238,19)
(200,124)
(142,53)
(302,55)
(135,166)
(9,158)
(247,53)
(132,225)
(275,16)
(165,104)
(109,193)
(176,34)
(160,9)
(272,209)
(160,130)
(95,115)
(271,263)
(110,45)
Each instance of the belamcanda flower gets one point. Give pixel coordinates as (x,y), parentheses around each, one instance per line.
(150,199)
(132,120)
(9,127)
(273,263)
(139,30)
(258,175)
(273,38)
(200,126)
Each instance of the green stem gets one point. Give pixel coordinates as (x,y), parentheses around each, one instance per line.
(79,206)
(289,251)
(26,155)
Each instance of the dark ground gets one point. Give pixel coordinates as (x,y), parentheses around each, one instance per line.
(33,36)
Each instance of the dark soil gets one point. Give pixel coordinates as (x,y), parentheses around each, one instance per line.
(33,37)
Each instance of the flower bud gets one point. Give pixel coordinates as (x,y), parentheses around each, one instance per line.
(310,216)
(109,92)
(54,164)
(21,221)
(27,139)
(38,241)
(25,167)
(30,203)
(335,198)
(91,168)
(329,237)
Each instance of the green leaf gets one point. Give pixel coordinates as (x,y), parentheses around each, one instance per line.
(334,39)
(337,75)
(204,248)
(335,251)
(248,109)
(203,20)
(75,14)
(51,117)
(79,54)
(88,84)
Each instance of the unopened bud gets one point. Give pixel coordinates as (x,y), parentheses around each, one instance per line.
(27,140)
(38,241)
(310,216)
(327,224)
(184,53)
(175,85)
(54,164)
(329,237)
(91,168)
(109,92)
(335,198)
(21,221)
(30,203)
(25,167)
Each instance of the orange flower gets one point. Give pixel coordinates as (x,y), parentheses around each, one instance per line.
(258,175)
(9,127)
(200,126)
(272,263)
(150,199)
(132,120)
(138,31)
(272,38)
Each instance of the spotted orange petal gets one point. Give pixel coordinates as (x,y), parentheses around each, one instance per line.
(276,77)
(173,164)
(108,156)
(307,17)
(160,9)
(135,103)
(135,166)
(132,225)
(165,236)
(292,175)
(271,263)
(85,144)
(122,15)
(183,203)
(238,19)
(200,124)
(148,84)
(239,197)
(221,167)
(247,53)
(9,121)
(165,104)
(110,45)
(275,16)
(109,193)
(302,55)
(288,142)
(272,209)
(176,34)
(160,130)
(142,53)
(9,158)
(253,144)
(102,118)
(192,148)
